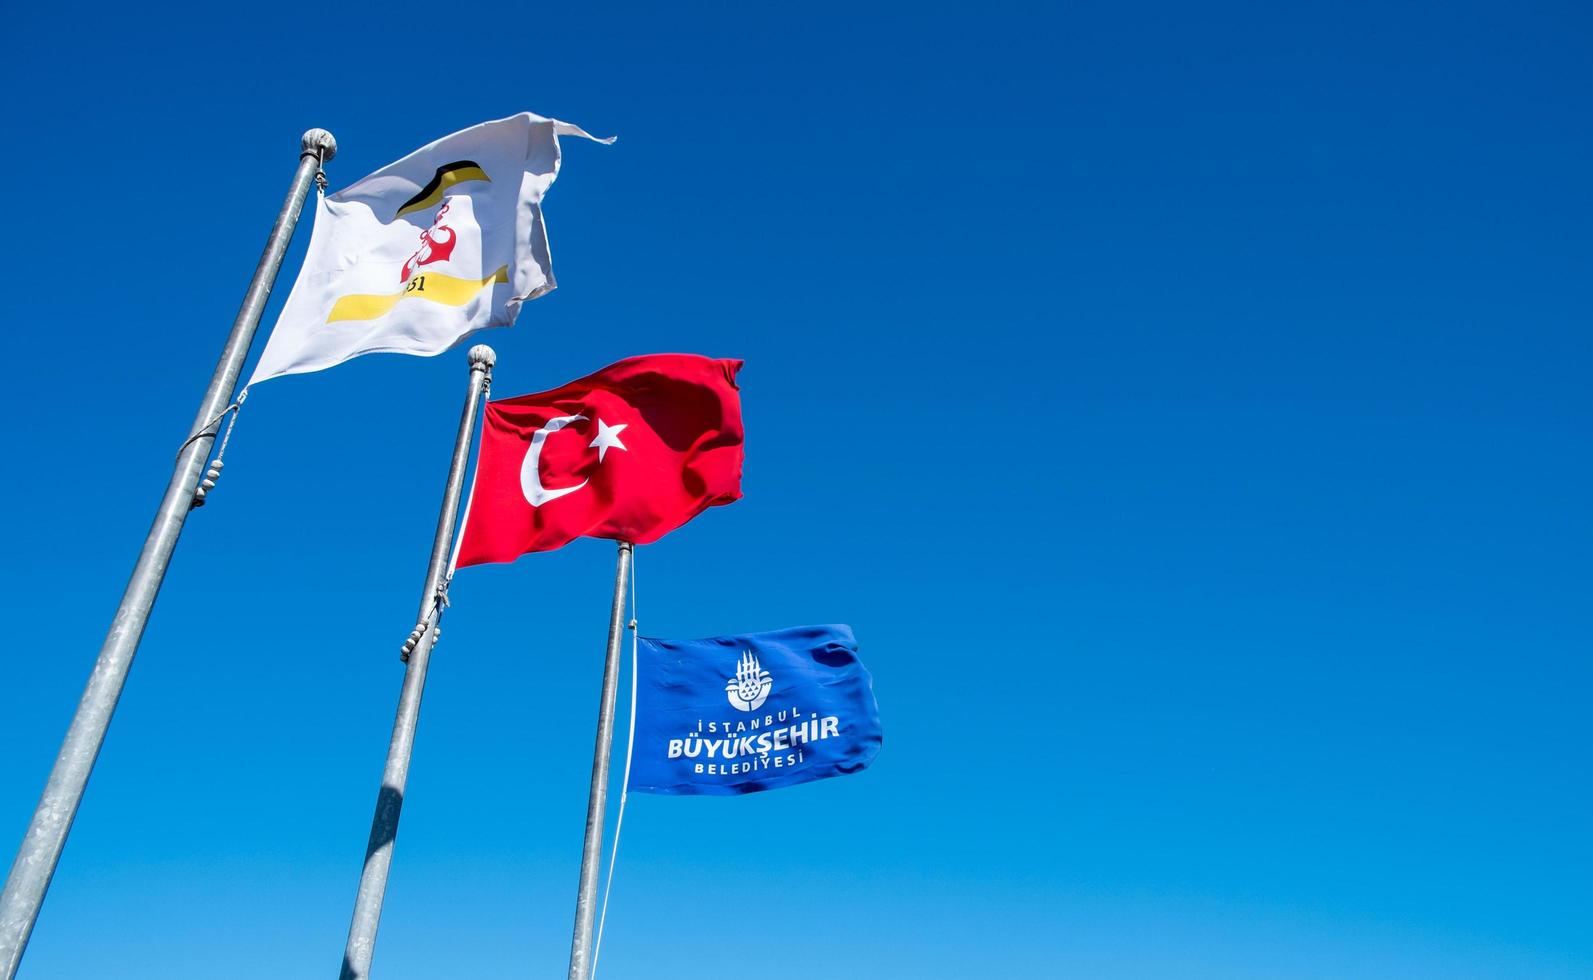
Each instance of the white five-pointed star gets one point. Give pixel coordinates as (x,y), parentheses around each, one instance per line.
(607,436)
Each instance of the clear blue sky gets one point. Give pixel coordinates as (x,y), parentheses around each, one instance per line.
(1187,405)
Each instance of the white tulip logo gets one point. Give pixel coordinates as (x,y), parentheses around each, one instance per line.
(750,687)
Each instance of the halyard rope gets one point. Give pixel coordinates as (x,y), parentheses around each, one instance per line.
(213,471)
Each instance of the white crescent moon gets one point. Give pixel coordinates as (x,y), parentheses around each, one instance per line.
(530,479)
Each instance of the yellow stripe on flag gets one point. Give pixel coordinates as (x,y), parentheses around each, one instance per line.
(433,286)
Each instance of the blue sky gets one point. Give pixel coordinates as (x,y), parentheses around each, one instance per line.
(1188,408)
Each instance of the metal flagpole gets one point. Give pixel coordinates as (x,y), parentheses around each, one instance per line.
(52,819)
(417,652)
(597,798)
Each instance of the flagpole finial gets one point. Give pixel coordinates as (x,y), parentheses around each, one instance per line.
(484,355)
(318,141)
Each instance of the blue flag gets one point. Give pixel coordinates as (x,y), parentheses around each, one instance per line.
(740,714)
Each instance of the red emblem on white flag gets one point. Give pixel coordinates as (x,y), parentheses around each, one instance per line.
(436,244)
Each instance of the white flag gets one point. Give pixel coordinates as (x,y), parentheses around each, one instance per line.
(425,251)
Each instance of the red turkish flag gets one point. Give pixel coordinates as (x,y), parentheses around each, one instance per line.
(630,453)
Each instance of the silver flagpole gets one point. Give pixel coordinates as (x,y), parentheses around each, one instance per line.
(52,819)
(597,797)
(417,651)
